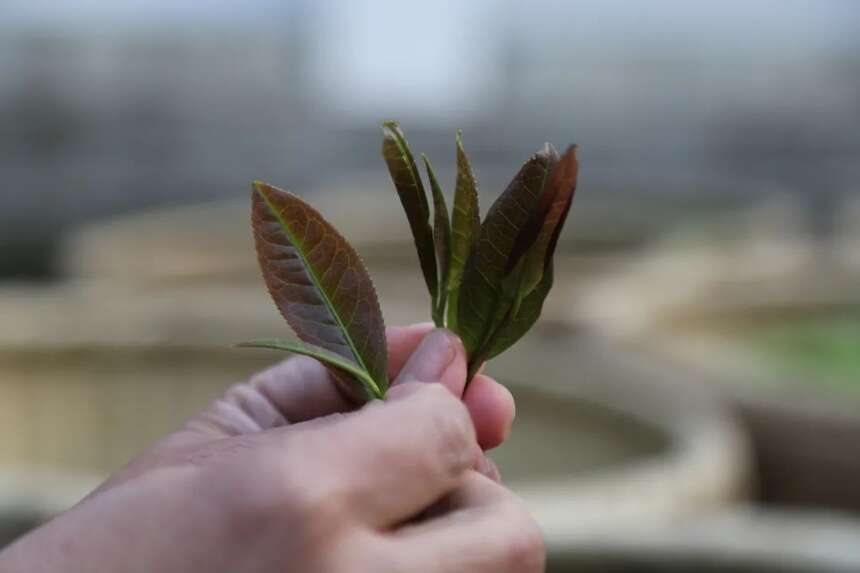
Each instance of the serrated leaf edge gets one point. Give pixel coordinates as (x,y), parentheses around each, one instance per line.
(316,282)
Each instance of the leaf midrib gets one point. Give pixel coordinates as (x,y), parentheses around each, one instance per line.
(318,287)
(319,353)
(490,329)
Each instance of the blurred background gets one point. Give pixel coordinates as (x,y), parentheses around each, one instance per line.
(698,394)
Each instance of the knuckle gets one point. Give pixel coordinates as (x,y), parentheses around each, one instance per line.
(268,375)
(525,548)
(358,552)
(443,426)
(318,510)
(293,498)
(453,430)
(455,447)
(307,498)
(435,392)
(240,498)
(422,392)
(259,483)
(439,401)
(242,394)
(256,487)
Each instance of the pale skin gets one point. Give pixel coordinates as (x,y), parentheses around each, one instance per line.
(283,474)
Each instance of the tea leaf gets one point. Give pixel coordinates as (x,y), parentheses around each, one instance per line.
(329,358)
(482,298)
(533,276)
(538,209)
(407,181)
(524,315)
(466,229)
(318,281)
(442,241)
(554,206)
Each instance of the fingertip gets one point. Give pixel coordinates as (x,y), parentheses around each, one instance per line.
(454,377)
(492,408)
(439,358)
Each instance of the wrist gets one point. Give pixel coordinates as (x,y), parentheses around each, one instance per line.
(140,526)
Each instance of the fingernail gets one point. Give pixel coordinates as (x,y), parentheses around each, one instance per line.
(432,357)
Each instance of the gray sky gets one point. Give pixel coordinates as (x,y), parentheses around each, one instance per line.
(661,24)
(440,58)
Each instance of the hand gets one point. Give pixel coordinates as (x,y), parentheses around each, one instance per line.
(275,477)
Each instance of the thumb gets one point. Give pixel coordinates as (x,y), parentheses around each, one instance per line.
(440,357)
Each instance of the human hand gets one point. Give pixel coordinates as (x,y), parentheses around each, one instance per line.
(274,477)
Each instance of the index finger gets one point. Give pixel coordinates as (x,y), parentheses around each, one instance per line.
(392,459)
(300,388)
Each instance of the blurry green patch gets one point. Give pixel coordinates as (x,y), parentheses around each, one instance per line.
(823,348)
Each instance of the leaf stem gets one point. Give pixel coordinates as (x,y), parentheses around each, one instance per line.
(325,356)
(477,359)
(474,365)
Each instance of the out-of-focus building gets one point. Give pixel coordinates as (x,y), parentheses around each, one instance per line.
(113,108)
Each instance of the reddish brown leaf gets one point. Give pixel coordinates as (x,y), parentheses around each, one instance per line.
(555,203)
(318,281)
(508,218)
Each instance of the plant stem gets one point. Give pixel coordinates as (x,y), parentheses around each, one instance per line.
(473,366)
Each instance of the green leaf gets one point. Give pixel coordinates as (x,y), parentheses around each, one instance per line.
(329,358)
(318,281)
(482,303)
(554,206)
(523,317)
(407,181)
(466,229)
(533,276)
(442,241)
